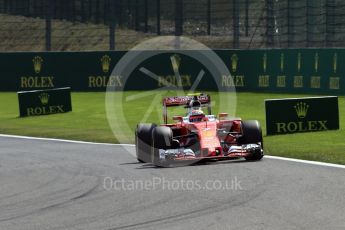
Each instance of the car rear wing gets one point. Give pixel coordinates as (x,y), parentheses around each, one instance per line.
(204,99)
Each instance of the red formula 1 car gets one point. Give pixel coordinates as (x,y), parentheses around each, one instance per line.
(196,136)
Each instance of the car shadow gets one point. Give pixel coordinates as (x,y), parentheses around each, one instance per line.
(197,164)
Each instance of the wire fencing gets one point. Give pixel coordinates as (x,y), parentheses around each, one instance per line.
(77,25)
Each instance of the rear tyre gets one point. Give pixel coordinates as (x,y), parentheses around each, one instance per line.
(162,138)
(143,142)
(252,134)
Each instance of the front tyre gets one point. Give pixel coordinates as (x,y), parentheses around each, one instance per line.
(143,142)
(252,134)
(162,138)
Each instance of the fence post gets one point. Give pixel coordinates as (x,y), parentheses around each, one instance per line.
(14,7)
(82,13)
(112,25)
(137,15)
(270,23)
(27,8)
(129,15)
(10,7)
(308,23)
(106,12)
(89,15)
(236,28)
(247,18)
(34,8)
(48,16)
(119,10)
(72,10)
(289,35)
(66,10)
(158,17)
(59,9)
(97,12)
(5,10)
(208,17)
(178,17)
(146,17)
(330,22)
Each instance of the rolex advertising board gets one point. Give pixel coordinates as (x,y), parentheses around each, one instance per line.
(170,71)
(314,71)
(301,115)
(286,70)
(44,102)
(82,71)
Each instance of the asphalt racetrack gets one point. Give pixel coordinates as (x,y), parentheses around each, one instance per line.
(57,185)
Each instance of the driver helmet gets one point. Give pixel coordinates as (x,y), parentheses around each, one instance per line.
(195,107)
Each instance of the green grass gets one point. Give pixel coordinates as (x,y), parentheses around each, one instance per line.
(88,122)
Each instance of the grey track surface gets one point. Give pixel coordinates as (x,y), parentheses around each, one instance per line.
(55,185)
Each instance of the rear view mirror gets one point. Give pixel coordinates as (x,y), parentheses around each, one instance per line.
(205,119)
(222,116)
(178,118)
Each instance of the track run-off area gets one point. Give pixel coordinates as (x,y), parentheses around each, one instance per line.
(60,184)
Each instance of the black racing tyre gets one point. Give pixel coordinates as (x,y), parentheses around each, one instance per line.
(162,138)
(143,142)
(252,134)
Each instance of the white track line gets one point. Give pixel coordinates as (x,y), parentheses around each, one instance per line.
(62,140)
(306,162)
(131,145)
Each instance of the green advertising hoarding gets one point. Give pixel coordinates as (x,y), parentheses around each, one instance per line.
(295,115)
(83,71)
(314,71)
(44,102)
(288,70)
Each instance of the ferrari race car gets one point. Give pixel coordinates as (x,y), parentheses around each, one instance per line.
(196,136)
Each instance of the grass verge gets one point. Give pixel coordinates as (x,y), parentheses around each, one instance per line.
(88,122)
